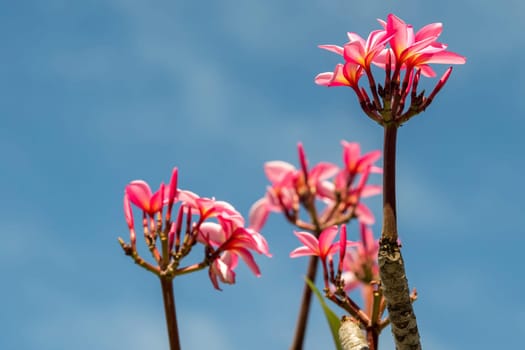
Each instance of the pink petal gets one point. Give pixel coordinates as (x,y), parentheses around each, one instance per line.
(139,193)
(376,40)
(325,240)
(172,190)
(352,73)
(324,79)
(371,190)
(355,52)
(157,200)
(399,29)
(364,214)
(326,189)
(302,251)
(351,154)
(354,37)
(211,233)
(368,160)
(247,257)
(430,30)
(128,213)
(262,244)
(189,198)
(259,213)
(308,240)
(427,71)
(276,170)
(322,171)
(332,48)
(446,57)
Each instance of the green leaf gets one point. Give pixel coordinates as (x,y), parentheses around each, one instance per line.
(333,321)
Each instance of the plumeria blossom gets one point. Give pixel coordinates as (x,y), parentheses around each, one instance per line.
(139,193)
(358,54)
(355,163)
(222,269)
(394,48)
(325,183)
(347,74)
(419,49)
(322,247)
(214,225)
(288,186)
(363,52)
(208,208)
(229,242)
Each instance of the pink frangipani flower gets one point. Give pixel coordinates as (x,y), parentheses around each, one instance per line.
(419,49)
(347,74)
(355,163)
(322,247)
(139,193)
(363,52)
(223,269)
(288,184)
(233,241)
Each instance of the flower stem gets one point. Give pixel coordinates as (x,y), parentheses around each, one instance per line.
(171,314)
(391,265)
(302,319)
(389,184)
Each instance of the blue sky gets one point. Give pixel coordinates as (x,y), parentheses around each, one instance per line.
(96,94)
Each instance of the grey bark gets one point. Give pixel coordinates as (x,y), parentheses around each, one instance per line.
(396,292)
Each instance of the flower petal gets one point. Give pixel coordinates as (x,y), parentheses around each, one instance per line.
(308,240)
(139,193)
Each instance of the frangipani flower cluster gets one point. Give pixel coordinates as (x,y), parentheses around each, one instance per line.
(357,264)
(394,48)
(224,240)
(339,190)
(348,265)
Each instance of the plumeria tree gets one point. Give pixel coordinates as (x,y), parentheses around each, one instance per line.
(319,201)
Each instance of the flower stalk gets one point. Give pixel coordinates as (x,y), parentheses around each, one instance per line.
(170,312)
(302,318)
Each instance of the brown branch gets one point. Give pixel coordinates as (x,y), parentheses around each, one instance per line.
(169,310)
(302,319)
